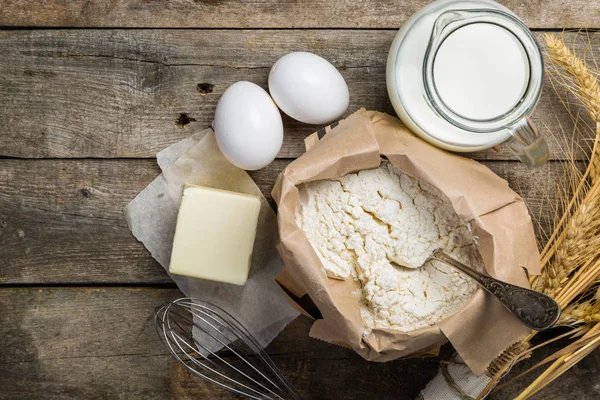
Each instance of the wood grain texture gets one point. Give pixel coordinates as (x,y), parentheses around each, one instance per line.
(269,13)
(50,212)
(101,343)
(84,343)
(119,93)
(61,221)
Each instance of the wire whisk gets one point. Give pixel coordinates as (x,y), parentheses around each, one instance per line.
(213,345)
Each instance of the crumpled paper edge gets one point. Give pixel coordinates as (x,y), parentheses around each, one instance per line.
(345,155)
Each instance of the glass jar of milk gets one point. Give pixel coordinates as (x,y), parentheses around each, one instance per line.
(466,75)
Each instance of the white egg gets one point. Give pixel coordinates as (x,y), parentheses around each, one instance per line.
(248,126)
(308,88)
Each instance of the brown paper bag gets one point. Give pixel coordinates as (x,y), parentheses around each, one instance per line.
(483,328)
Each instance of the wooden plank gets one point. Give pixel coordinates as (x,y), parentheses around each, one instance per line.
(101,343)
(61,221)
(84,343)
(50,212)
(120,93)
(581,382)
(269,13)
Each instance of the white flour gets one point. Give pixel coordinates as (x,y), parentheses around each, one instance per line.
(359,222)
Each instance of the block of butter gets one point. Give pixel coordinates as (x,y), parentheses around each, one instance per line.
(215,235)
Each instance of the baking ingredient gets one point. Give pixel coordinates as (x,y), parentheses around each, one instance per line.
(248,126)
(481,71)
(215,235)
(308,88)
(360,222)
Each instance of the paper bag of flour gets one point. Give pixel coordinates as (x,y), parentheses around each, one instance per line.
(497,216)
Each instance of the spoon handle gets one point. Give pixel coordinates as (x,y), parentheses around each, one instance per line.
(534,309)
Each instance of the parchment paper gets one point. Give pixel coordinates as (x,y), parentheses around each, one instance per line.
(497,215)
(260,305)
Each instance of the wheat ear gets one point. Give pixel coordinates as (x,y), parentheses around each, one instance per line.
(585,83)
(572,251)
(579,223)
(585,87)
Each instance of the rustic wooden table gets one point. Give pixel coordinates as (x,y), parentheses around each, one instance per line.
(90,91)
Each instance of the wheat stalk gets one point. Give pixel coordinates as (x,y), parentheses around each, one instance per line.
(571,258)
(577,244)
(586,312)
(585,88)
(567,359)
(585,82)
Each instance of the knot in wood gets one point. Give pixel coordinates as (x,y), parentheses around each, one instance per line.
(205,88)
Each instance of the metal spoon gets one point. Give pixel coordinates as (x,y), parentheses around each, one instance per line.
(534,309)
